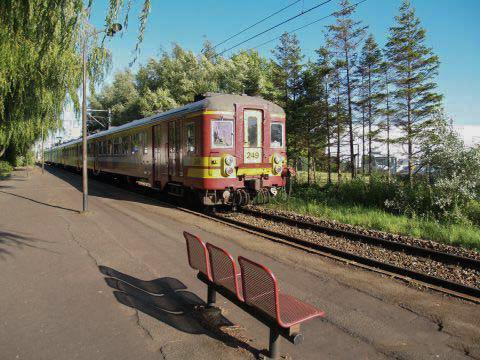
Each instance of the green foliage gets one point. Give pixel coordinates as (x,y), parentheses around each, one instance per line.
(371,95)
(5,168)
(41,63)
(414,66)
(377,219)
(343,39)
(177,77)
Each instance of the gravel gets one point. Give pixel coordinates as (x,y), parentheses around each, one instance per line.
(428,244)
(455,273)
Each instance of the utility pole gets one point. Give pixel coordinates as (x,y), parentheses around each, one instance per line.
(110,32)
(84,129)
(43,153)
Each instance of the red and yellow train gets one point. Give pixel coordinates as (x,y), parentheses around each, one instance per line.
(223,149)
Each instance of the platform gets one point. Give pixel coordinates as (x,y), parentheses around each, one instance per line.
(115,284)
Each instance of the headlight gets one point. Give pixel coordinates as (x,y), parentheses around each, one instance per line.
(229,170)
(229,160)
(278,169)
(277,159)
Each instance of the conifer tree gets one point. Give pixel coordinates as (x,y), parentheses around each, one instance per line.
(370,63)
(344,38)
(287,76)
(325,69)
(414,68)
(387,112)
(339,110)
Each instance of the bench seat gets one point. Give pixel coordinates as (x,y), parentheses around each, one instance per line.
(254,289)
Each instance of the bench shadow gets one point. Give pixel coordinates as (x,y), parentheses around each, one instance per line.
(168,300)
(39,202)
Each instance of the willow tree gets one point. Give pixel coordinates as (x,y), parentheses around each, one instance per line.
(40,63)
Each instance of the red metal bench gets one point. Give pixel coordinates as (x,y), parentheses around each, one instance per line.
(255,290)
(198,260)
(224,270)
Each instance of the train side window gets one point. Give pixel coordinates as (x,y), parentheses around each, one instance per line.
(276,135)
(135,143)
(125,145)
(143,142)
(109,147)
(116,146)
(191,140)
(222,133)
(171,137)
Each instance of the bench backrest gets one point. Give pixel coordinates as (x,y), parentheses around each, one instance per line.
(260,288)
(224,270)
(197,254)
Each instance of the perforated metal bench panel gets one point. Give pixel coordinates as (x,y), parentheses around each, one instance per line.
(260,289)
(224,270)
(197,254)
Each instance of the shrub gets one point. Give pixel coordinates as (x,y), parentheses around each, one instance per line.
(30,158)
(472,211)
(5,168)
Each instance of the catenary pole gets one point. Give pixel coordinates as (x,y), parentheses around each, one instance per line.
(84,130)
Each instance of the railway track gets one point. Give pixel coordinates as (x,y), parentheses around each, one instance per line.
(408,275)
(440,256)
(452,288)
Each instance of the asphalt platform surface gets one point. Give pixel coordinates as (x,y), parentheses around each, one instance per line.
(115,284)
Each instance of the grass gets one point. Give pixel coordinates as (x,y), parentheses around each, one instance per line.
(320,177)
(376,219)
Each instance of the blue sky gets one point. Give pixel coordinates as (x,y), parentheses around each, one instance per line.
(453,31)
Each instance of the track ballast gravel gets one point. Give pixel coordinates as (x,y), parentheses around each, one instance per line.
(427,244)
(455,273)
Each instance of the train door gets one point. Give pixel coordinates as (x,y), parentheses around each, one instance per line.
(252,136)
(173,149)
(160,153)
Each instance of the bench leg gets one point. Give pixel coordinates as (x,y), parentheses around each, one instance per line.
(211,296)
(274,344)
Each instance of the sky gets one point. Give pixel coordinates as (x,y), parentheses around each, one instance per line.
(453,31)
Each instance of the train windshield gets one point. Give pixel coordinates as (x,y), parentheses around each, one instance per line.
(276,135)
(222,133)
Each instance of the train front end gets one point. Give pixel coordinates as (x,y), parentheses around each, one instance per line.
(246,146)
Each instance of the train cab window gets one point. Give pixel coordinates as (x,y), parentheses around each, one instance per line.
(253,128)
(276,135)
(191,141)
(222,133)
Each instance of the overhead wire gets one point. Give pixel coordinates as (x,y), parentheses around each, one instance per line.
(275,26)
(306,25)
(258,22)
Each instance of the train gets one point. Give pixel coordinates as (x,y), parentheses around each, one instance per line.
(222,149)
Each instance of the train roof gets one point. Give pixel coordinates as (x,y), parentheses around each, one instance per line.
(212,101)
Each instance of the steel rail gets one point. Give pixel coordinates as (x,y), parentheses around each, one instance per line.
(453,288)
(373,240)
